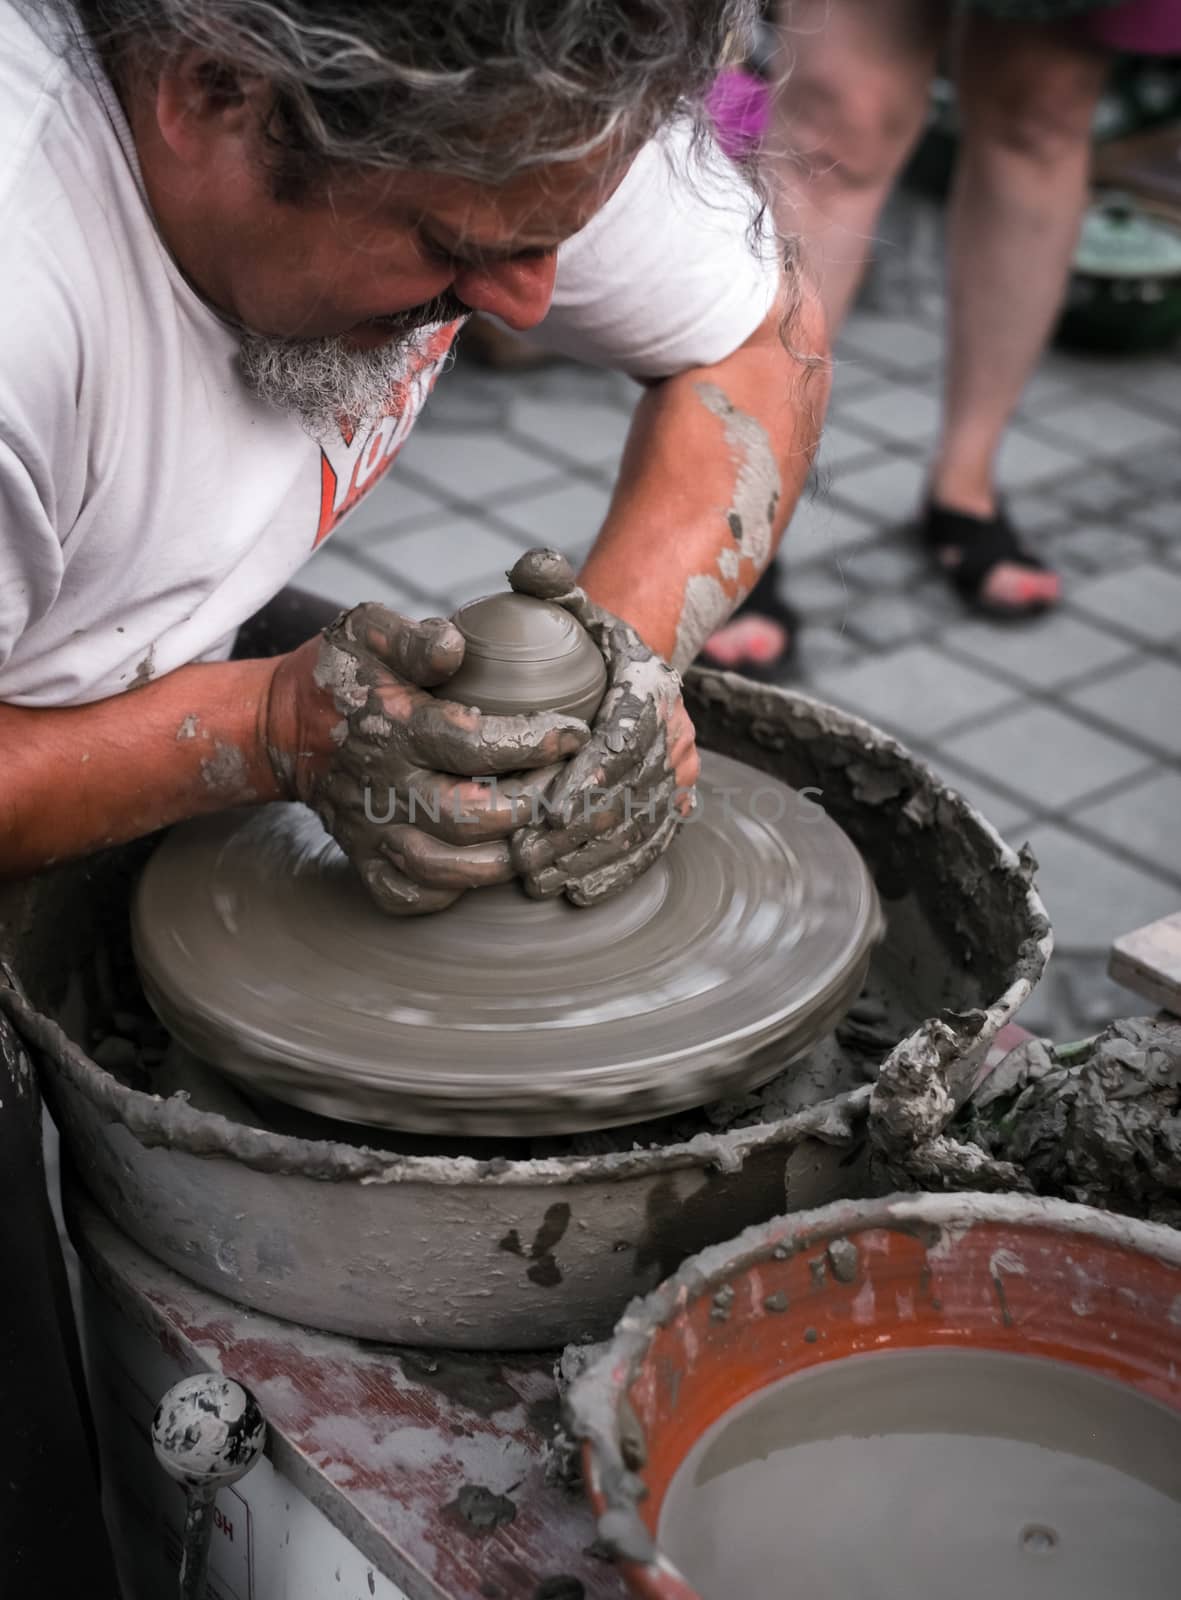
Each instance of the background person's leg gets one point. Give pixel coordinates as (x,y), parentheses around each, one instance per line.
(853,80)
(1027,95)
(850,101)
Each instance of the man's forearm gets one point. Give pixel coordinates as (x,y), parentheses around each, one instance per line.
(714,465)
(80,777)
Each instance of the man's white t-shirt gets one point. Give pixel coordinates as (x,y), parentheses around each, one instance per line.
(149,503)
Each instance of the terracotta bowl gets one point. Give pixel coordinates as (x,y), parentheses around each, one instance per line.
(997,1273)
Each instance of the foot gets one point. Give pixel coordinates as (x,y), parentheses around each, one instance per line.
(759,638)
(751,638)
(987,564)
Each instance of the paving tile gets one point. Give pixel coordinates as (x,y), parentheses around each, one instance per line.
(585,431)
(1101,426)
(1026,459)
(1043,652)
(568,517)
(884,620)
(1047,755)
(886,564)
(1144,699)
(839,444)
(1156,384)
(895,342)
(393,503)
(1098,492)
(1144,818)
(471,466)
(819,528)
(906,415)
(1045,391)
(332,573)
(1087,548)
(1162,517)
(459,554)
(1143,600)
(1092,896)
(822,648)
(467,398)
(1156,469)
(915,690)
(851,379)
(1035,513)
(889,492)
(820,591)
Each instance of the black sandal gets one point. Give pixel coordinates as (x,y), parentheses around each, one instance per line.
(983,544)
(764,600)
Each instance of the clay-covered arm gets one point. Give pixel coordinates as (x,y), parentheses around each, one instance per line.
(76,778)
(715,462)
(348,712)
(714,465)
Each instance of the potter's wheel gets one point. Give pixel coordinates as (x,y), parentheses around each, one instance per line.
(503,1016)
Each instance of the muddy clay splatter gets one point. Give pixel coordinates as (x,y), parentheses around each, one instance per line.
(145,670)
(225,773)
(709,600)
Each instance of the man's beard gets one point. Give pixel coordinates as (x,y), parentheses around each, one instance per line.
(327,382)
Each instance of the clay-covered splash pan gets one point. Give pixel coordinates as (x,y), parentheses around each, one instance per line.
(524,1244)
(823,1332)
(260,950)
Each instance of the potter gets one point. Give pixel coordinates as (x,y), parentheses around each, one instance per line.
(276,229)
(313,286)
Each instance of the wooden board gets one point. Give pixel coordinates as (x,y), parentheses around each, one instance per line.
(1148,961)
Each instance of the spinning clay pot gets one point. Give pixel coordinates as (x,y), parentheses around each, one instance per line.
(524,655)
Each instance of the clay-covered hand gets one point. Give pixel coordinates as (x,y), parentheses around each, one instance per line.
(353,731)
(616,807)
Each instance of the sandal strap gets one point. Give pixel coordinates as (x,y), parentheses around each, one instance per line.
(982,544)
(765,600)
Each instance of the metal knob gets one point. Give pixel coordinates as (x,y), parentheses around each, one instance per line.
(208,1431)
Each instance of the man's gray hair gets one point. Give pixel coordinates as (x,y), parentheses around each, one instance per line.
(478,89)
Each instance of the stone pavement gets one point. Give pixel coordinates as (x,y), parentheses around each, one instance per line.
(1066,731)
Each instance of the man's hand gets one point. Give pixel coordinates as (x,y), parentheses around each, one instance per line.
(354,732)
(617,805)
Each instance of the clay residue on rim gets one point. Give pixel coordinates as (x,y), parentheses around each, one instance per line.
(593,1403)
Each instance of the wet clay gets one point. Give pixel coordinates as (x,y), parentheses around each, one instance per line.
(918,1475)
(616,808)
(394,740)
(1098,1123)
(708,599)
(521,655)
(732,956)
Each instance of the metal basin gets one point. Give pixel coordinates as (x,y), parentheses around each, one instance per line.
(528,1246)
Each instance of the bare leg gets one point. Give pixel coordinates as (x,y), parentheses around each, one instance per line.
(1027,94)
(851,101)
